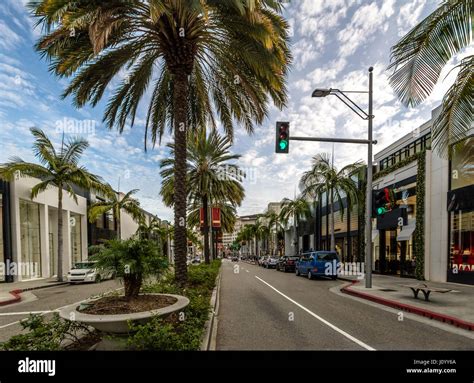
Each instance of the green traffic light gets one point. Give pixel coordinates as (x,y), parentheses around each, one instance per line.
(283,144)
(381,210)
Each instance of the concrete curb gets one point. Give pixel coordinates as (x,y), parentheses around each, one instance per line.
(15,299)
(409,308)
(208,342)
(17,292)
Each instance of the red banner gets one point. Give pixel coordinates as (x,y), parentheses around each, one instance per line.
(216,217)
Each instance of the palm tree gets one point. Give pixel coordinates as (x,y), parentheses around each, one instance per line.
(245,235)
(325,178)
(57,168)
(296,209)
(116,202)
(212,179)
(202,60)
(418,59)
(274,223)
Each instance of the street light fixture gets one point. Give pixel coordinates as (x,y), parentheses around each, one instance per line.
(368,116)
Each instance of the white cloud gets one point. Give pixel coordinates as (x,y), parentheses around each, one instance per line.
(366,21)
(9,38)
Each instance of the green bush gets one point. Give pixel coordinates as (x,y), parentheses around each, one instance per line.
(179,333)
(45,334)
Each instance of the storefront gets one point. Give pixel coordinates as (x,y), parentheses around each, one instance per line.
(461,214)
(5,232)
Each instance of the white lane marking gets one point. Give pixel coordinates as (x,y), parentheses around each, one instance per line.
(335,328)
(49,311)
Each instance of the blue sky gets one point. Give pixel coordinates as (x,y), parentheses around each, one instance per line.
(333,43)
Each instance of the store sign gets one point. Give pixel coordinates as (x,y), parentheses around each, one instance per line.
(461,199)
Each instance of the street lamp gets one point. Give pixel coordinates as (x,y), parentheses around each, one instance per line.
(368,116)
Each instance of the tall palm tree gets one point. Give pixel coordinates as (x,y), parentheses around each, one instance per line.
(116,202)
(325,178)
(420,56)
(245,235)
(274,223)
(57,168)
(295,209)
(202,60)
(212,179)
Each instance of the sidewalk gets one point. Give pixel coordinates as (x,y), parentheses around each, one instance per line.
(11,292)
(455,307)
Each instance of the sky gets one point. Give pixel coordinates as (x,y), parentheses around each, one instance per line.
(333,42)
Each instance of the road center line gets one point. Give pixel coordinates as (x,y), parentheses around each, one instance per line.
(335,328)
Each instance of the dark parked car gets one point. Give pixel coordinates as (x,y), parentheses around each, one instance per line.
(270,262)
(286,263)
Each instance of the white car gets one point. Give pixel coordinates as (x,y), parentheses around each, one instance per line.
(86,271)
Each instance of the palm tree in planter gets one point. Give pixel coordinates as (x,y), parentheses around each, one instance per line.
(201,59)
(116,202)
(212,177)
(325,178)
(296,210)
(57,168)
(420,56)
(132,260)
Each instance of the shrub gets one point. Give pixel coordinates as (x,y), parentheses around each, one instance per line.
(44,334)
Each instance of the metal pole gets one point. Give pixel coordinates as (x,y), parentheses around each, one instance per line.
(368,223)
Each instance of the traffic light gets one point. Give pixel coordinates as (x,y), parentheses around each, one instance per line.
(282,142)
(381,201)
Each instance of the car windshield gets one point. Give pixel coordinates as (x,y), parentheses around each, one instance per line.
(84,265)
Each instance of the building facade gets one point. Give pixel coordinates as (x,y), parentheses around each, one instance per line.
(29,230)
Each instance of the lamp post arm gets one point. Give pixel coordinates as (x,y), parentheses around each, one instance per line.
(351,104)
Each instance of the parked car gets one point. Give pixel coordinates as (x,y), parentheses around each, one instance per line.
(235,258)
(87,271)
(261,261)
(286,263)
(271,262)
(315,263)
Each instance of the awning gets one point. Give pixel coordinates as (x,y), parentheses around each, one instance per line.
(406,232)
(375,234)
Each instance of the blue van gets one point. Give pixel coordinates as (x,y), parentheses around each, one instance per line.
(318,263)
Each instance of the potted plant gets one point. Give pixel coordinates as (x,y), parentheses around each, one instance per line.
(133,261)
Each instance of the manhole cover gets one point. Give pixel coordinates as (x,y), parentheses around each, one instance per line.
(387,290)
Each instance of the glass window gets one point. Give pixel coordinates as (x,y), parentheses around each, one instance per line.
(30,266)
(76,240)
(109,219)
(462,242)
(462,164)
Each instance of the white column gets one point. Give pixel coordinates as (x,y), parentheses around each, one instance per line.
(84,243)
(44,240)
(15,226)
(67,256)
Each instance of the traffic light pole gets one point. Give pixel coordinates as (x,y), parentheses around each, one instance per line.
(368,223)
(341,95)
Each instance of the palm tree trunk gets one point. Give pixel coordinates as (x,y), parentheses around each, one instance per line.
(297,242)
(333,240)
(180,93)
(205,208)
(60,233)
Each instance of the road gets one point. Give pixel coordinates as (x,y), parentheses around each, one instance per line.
(46,299)
(264,309)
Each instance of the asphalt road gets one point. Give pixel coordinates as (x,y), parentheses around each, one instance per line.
(47,299)
(264,309)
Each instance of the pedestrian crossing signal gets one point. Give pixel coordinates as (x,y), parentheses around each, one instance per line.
(282,142)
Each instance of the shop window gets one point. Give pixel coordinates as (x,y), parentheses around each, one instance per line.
(30,266)
(462,242)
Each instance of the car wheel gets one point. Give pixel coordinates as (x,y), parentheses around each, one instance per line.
(310,275)
(297,272)
(98,278)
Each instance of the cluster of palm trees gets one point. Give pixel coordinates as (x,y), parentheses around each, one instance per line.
(323,183)
(60,168)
